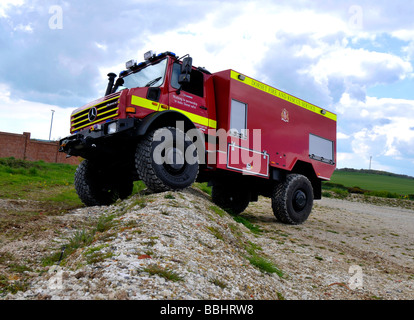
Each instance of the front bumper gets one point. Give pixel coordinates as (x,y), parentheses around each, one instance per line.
(99,139)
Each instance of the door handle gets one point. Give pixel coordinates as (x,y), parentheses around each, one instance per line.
(202,107)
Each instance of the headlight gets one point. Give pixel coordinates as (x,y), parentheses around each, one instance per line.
(112,128)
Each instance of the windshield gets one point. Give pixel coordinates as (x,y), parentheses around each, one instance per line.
(151,76)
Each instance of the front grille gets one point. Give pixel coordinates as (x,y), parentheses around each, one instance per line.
(104,110)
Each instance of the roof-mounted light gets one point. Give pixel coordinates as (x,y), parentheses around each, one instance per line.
(130,64)
(149,55)
(166,53)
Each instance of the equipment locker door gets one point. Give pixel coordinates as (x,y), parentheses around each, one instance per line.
(244,152)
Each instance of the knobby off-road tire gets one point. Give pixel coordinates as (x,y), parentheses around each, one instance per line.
(292,199)
(230,198)
(95,187)
(166,159)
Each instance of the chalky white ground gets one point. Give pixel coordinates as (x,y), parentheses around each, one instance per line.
(341,241)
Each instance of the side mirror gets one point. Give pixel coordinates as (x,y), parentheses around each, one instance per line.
(184,77)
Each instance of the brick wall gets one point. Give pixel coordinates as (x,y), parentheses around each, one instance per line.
(20,146)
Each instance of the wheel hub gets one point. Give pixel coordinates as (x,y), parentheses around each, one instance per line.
(299,200)
(174,159)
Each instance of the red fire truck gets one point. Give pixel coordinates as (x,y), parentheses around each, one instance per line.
(169,124)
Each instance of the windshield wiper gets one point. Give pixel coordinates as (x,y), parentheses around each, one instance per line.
(153,82)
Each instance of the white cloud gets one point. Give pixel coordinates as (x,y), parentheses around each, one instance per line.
(385,132)
(342,136)
(24,28)
(360,65)
(6,5)
(18,116)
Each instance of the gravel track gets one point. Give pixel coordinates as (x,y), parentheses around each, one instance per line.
(347,249)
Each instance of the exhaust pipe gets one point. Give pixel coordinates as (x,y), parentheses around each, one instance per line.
(111,79)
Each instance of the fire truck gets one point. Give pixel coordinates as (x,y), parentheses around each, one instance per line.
(170,124)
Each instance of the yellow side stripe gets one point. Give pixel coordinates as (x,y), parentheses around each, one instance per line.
(145,103)
(212,123)
(282,95)
(148,104)
(193,117)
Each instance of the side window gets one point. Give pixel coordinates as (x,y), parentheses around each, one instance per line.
(321,149)
(238,119)
(196,85)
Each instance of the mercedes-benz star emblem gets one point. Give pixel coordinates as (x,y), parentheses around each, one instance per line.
(92,114)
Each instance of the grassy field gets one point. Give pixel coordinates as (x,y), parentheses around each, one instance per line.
(374,181)
(51,183)
(370,183)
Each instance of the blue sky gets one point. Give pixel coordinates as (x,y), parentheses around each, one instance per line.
(354,58)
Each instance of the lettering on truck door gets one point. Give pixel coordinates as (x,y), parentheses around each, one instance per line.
(244,151)
(190,100)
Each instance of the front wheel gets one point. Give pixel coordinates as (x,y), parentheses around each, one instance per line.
(292,200)
(166,159)
(96,187)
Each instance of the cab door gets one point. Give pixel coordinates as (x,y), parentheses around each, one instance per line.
(189,98)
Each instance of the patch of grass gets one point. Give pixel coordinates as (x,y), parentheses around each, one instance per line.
(5,257)
(331,231)
(138,187)
(215,232)
(94,255)
(218,283)
(326,194)
(80,239)
(340,193)
(383,194)
(203,187)
(105,223)
(264,265)
(139,201)
(218,211)
(169,196)
(11,286)
(252,227)
(374,180)
(98,257)
(31,180)
(165,273)
(63,195)
(260,262)
(14,267)
(280,296)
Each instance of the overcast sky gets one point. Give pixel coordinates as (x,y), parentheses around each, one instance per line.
(354,58)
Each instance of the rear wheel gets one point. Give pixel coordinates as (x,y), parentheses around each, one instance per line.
(95,187)
(292,200)
(230,198)
(166,159)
